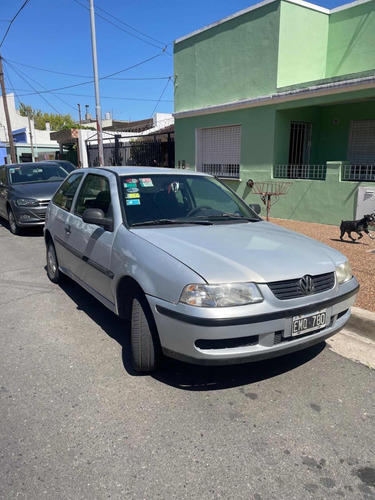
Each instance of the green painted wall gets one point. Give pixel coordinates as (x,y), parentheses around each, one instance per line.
(302,44)
(351,40)
(234,60)
(265,142)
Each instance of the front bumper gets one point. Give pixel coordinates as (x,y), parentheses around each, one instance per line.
(218,337)
(32,216)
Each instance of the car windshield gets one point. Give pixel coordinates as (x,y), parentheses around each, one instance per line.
(181,199)
(37,172)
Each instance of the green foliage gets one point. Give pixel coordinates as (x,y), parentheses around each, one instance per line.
(57,122)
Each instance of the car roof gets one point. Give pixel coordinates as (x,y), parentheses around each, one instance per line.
(143,171)
(29,164)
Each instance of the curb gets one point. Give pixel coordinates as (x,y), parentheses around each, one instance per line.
(362,322)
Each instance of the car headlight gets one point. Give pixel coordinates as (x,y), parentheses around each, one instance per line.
(27,202)
(224,295)
(343,272)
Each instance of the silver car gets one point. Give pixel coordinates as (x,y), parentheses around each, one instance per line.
(200,275)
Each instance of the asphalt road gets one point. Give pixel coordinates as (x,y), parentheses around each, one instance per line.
(77,423)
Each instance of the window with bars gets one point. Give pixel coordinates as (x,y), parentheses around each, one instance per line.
(219,151)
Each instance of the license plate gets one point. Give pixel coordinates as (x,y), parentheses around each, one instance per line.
(308,322)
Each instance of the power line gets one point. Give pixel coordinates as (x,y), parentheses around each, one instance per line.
(125,24)
(102,97)
(122,29)
(102,78)
(11,22)
(35,91)
(81,76)
(165,88)
(29,77)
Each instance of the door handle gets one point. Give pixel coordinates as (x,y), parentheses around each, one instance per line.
(68,229)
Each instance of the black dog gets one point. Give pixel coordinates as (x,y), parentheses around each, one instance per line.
(347,226)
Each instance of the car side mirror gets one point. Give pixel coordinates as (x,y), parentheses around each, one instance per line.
(96,216)
(255,207)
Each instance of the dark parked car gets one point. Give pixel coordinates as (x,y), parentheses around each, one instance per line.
(26,189)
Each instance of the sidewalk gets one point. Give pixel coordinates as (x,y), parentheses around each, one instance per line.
(357,340)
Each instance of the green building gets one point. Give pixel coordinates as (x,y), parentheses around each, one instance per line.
(283,92)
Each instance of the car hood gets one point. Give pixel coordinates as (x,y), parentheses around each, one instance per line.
(39,190)
(259,252)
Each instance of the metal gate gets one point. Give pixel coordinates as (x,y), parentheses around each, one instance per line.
(146,151)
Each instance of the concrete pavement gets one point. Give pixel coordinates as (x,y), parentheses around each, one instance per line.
(357,340)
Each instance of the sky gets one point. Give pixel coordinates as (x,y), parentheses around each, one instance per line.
(47,47)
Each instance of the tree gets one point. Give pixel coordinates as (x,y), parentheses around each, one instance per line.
(57,122)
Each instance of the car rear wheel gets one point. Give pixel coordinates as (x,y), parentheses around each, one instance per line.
(14,229)
(53,271)
(145,345)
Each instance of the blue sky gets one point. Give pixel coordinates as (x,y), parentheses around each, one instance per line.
(54,36)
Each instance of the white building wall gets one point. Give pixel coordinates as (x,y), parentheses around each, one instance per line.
(18,122)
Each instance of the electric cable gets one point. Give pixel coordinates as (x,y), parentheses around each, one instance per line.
(12,21)
(36,92)
(122,29)
(29,77)
(81,76)
(101,78)
(165,88)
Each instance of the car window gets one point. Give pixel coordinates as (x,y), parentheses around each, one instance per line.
(37,172)
(94,193)
(185,197)
(65,194)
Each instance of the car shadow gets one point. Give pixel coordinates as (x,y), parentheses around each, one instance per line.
(179,374)
(208,378)
(29,231)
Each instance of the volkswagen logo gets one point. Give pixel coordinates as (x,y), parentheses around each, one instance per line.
(306,285)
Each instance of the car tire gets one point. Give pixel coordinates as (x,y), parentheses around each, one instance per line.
(53,271)
(14,229)
(145,346)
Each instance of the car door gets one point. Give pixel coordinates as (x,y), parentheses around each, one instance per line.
(91,245)
(3,191)
(57,216)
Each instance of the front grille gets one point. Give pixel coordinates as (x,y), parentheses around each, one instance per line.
(43,203)
(290,289)
(227,343)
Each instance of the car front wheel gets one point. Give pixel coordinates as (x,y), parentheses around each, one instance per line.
(53,271)
(14,229)
(144,338)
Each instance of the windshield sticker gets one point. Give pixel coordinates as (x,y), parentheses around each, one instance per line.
(130,184)
(132,190)
(133,202)
(146,182)
(131,181)
(12,170)
(133,195)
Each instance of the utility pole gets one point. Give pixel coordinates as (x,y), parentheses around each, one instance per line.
(96,81)
(31,138)
(79,113)
(6,111)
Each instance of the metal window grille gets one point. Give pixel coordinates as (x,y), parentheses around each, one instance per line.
(317,172)
(219,151)
(358,173)
(300,143)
